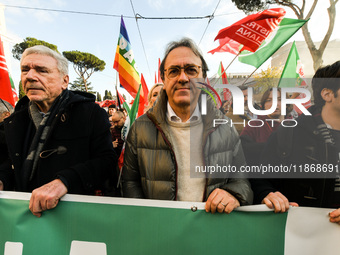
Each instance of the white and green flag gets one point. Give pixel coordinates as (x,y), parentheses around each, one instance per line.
(292,73)
(292,76)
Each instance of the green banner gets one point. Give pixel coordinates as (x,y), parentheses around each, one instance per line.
(134,229)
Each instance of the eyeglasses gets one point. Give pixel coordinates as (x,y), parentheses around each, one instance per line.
(191,71)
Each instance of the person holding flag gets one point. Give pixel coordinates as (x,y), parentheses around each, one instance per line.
(159,154)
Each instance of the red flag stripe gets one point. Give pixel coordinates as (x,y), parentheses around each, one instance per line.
(252,30)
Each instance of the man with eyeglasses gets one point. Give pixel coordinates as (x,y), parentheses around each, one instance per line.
(118,119)
(165,144)
(58,140)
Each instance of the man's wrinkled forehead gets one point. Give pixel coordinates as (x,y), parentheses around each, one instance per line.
(35,60)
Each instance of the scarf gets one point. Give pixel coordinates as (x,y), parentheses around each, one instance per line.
(43,124)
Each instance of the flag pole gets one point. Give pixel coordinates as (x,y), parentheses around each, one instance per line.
(226,69)
(249,76)
(116,84)
(117,96)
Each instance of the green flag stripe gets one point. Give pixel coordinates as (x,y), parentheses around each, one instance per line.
(286,29)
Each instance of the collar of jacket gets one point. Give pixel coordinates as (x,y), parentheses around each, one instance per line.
(75,97)
(157,114)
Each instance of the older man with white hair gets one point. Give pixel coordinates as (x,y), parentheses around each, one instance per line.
(58,141)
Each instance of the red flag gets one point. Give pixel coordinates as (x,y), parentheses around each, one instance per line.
(227,45)
(155,78)
(121,98)
(143,101)
(252,30)
(159,72)
(226,92)
(5,82)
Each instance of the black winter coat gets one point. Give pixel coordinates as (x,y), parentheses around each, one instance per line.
(303,144)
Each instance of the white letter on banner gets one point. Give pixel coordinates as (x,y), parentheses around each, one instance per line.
(297,101)
(12,248)
(129,55)
(87,248)
(122,43)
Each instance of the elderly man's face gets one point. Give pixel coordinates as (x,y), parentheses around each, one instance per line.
(41,80)
(181,92)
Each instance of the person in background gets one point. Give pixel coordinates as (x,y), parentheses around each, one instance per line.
(159,155)
(58,141)
(6,109)
(111,109)
(314,141)
(153,94)
(241,118)
(225,107)
(254,139)
(118,120)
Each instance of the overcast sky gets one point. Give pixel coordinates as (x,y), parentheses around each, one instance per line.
(98,34)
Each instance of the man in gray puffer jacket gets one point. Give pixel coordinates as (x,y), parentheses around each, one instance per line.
(168,148)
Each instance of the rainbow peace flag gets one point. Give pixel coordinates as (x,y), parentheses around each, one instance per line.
(125,63)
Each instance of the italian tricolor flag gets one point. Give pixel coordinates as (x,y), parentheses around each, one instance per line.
(292,75)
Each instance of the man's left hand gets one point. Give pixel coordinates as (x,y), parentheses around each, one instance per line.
(221,201)
(47,197)
(335,216)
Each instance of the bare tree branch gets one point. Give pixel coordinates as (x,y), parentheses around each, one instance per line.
(296,9)
(311,9)
(303,6)
(331,14)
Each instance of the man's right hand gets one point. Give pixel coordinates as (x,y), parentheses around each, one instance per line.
(277,201)
(1,186)
(47,197)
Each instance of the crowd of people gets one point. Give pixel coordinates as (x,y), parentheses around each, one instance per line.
(59,141)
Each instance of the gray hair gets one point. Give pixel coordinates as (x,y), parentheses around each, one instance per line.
(184,42)
(5,107)
(62,62)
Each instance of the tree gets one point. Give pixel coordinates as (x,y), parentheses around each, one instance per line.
(268,78)
(107,95)
(99,97)
(19,48)
(84,64)
(254,5)
(78,85)
(21,91)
